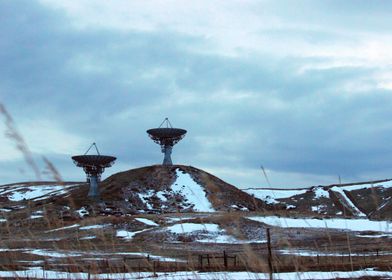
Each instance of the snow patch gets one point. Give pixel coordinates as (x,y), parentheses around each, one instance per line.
(82,212)
(236,207)
(178,219)
(53,254)
(147,222)
(144,198)
(127,235)
(63,228)
(87,237)
(94,227)
(316,209)
(208,233)
(191,227)
(270,196)
(310,253)
(348,201)
(161,196)
(192,191)
(20,193)
(36,216)
(319,192)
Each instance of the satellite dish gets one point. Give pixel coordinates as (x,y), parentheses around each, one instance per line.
(166,137)
(93,166)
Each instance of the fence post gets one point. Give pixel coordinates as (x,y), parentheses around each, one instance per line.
(225,259)
(364,256)
(271,272)
(208,260)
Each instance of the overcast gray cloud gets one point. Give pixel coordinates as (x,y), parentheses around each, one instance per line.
(303,89)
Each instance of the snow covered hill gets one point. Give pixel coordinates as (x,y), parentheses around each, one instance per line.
(177,188)
(372,199)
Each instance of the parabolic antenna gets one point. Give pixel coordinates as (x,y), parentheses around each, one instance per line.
(166,137)
(93,166)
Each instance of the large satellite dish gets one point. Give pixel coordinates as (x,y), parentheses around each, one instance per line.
(166,136)
(93,166)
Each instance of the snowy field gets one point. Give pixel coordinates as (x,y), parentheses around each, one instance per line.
(343,224)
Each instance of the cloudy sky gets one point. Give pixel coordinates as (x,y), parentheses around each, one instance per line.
(303,88)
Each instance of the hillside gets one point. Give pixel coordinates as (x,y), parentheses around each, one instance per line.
(363,199)
(164,219)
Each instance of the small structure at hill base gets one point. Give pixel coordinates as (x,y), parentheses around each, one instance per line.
(93,166)
(166,137)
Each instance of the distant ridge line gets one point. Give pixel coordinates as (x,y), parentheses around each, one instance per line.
(324,186)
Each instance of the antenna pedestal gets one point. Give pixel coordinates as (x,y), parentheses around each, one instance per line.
(93,191)
(167,150)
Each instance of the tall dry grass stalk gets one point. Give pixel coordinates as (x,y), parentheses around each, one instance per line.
(13,134)
(52,170)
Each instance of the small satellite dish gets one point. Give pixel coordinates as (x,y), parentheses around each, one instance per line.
(166,137)
(93,166)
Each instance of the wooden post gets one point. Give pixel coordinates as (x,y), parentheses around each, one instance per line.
(225,259)
(271,269)
(88,271)
(201,261)
(208,260)
(318,259)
